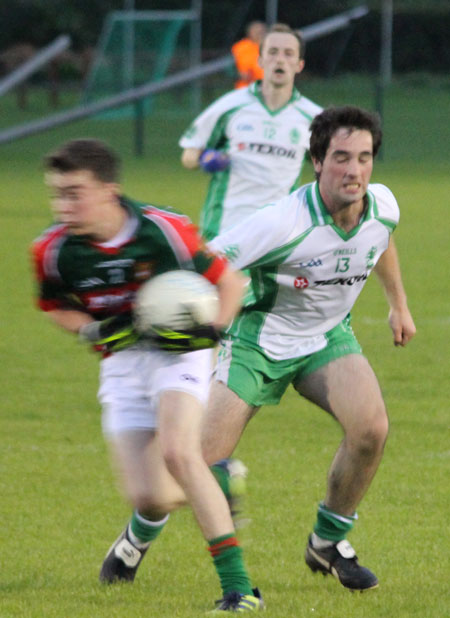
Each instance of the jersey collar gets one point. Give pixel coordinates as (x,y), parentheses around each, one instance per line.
(320,215)
(126,234)
(256,90)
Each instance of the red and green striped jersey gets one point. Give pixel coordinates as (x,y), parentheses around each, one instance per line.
(74,272)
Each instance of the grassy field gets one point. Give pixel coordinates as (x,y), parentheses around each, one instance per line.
(59,506)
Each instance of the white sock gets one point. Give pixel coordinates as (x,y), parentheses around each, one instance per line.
(135,540)
(320,543)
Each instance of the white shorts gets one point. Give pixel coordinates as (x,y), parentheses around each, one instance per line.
(131,382)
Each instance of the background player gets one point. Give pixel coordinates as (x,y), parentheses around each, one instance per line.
(89,266)
(309,256)
(253,140)
(246,54)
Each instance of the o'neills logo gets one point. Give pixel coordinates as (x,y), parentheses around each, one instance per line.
(342,280)
(269,149)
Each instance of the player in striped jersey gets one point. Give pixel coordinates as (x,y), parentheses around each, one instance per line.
(309,256)
(89,265)
(254,139)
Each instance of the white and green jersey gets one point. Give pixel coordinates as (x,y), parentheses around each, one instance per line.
(306,272)
(266,148)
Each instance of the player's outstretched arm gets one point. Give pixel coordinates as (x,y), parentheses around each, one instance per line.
(231,290)
(69,319)
(389,274)
(210,160)
(109,335)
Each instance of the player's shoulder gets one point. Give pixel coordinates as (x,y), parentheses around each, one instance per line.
(385,203)
(149,216)
(141,209)
(233,99)
(149,211)
(300,206)
(162,223)
(55,234)
(308,108)
(47,250)
(289,212)
(197,133)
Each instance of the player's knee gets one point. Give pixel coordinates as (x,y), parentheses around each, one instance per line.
(143,501)
(372,437)
(179,460)
(155,507)
(371,443)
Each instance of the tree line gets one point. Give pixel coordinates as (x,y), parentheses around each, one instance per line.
(420,28)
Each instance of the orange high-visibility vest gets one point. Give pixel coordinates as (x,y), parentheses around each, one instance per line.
(246,54)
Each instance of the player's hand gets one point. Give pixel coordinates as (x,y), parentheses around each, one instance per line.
(110,335)
(186,340)
(402,326)
(213,160)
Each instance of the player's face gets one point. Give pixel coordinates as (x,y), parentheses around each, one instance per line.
(280,59)
(80,200)
(346,169)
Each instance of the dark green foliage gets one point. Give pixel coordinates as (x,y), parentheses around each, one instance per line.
(420,28)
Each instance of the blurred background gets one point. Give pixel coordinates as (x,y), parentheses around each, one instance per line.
(55,57)
(419,38)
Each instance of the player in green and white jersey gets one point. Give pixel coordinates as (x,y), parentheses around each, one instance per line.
(254,139)
(306,271)
(89,266)
(309,256)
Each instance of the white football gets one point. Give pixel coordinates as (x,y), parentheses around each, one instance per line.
(177,299)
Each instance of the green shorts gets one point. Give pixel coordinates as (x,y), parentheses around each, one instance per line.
(260,380)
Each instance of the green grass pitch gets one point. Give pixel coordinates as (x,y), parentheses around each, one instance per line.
(60,508)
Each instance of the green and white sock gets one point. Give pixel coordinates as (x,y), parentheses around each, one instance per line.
(331,526)
(142,531)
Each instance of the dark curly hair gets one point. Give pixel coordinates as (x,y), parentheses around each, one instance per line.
(325,125)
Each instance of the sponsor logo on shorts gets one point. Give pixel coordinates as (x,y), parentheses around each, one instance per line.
(187,377)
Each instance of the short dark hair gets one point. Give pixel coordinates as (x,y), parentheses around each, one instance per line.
(254,23)
(284,28)
(325,125)
(85,154)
